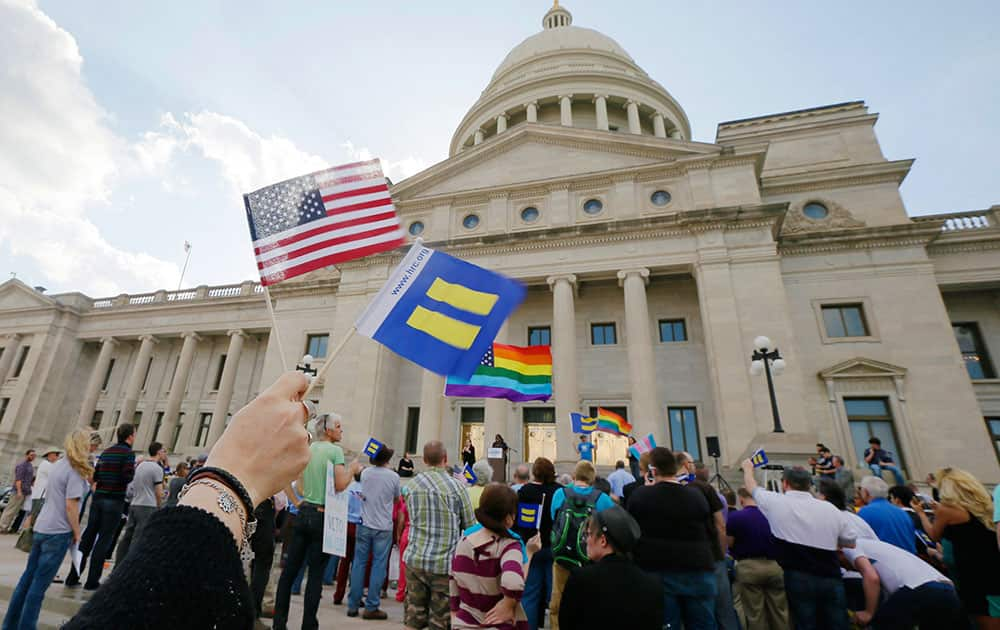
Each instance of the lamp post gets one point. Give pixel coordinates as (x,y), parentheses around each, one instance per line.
(765,359)
(306,366)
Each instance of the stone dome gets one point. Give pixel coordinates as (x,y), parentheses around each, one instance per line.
(552,76)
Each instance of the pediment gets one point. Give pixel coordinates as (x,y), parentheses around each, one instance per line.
(536,153)
(860,367)
(14,294)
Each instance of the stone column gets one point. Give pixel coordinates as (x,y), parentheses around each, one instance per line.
(501,123)
(177,388)
(94,384)
(146,343)
(531,111)
(633,117)
(601,109)
(646,414)
(478,137)
(9,352)
(659,129)
(566,110)
(496,410)
(225,394)
(564,384)
(675,133)
(431,409)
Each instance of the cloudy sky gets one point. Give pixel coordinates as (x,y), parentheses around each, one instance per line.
(129,127)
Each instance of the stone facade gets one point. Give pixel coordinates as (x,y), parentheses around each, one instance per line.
(574,173)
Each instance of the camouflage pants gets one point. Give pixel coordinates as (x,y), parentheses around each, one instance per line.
(426,600)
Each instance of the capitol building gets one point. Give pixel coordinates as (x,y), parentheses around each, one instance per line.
(652,263)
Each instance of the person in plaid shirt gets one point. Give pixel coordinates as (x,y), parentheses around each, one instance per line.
(440,510)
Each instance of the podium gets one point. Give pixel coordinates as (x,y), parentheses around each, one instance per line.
(496,457)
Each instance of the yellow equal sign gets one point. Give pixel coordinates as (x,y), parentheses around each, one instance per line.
(447,329)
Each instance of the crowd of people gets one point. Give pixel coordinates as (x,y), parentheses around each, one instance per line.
(652,545)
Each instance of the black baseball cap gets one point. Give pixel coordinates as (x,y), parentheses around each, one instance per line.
(619,527)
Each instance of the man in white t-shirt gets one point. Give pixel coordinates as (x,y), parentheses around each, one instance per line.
(49,459)
(147,495)
(917,594)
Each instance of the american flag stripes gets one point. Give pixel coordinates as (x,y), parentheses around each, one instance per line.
(321,219)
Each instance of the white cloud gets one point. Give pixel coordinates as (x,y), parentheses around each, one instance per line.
(56,156)
(394,170)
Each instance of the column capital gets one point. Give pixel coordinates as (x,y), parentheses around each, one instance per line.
(642,272)
(657,114)
(149,338)
(109,340)
(13,336)
(562,96)
(502,115)
(236,332)
(597,96)
(191,334)
(531,104)
(630,102)
(568,278)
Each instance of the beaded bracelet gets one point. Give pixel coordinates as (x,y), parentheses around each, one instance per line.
(229,504)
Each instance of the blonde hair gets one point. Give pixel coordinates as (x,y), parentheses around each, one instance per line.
(585,472)
(77,447)
(960,489)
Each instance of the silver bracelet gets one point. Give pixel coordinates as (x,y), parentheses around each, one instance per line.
(229,504)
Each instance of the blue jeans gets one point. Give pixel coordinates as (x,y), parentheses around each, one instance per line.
(893,468)
(47,553)
(725,612)
(378,543)
(688,598)
(538,587)
(331,570)
(815,602)
(297,584)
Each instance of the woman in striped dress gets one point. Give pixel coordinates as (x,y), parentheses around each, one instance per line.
(487,573)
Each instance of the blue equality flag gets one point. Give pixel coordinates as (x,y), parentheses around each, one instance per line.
(582,424)
(372,447)
(440,312)
(469,475)
(759,458)
(529,515)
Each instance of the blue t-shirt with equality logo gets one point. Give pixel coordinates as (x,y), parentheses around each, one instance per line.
(586,450)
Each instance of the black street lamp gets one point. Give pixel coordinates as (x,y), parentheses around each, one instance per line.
(306,366)
(765,360)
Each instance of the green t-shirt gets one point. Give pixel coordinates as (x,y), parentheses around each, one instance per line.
(314,476)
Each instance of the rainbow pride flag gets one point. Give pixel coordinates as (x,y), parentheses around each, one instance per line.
(512,372)
(611,422)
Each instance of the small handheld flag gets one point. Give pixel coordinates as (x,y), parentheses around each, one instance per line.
(582,424)
(686,479)
(529,515)
(759,458)
(372,447)
(440,312)
(647,443)
(469,475)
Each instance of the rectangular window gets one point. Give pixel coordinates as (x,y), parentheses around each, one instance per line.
(316,345)
(970,343)
(218,372)
(136,419)
(684,430)
(603,334)
(993,424)
(3,407)
(473,414)
(145,378)
(672,330)
(539,336)
(156,427)
(177,432)
(118,414)
(868,418)
(107,375)
(845,320)
(412,428)
(95,422)
(203,425)
(21,360)
(539,415)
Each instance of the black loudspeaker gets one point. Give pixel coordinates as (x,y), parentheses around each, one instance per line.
(712,444)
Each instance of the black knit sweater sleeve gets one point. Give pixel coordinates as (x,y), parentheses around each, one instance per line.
(183,571)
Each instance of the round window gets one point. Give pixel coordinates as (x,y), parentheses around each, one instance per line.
(470,221)
(593,206)
(660,198)
(815,210)
(529,214)
(416,228)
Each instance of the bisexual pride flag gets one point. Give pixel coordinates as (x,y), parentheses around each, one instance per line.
(516,373)
(440,312)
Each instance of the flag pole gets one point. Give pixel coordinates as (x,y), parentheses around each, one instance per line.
(187,257)
(329,360)
(274,329)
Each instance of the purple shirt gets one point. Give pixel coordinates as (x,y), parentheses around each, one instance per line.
(751,533)
(25,473)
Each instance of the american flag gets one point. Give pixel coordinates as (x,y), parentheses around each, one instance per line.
(321,219)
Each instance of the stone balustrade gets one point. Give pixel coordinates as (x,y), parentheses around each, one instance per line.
(203,292)
(964,221)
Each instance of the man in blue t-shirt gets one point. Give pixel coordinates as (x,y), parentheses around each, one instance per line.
(585,449)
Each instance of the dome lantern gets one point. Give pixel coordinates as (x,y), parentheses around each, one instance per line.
(557,17)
